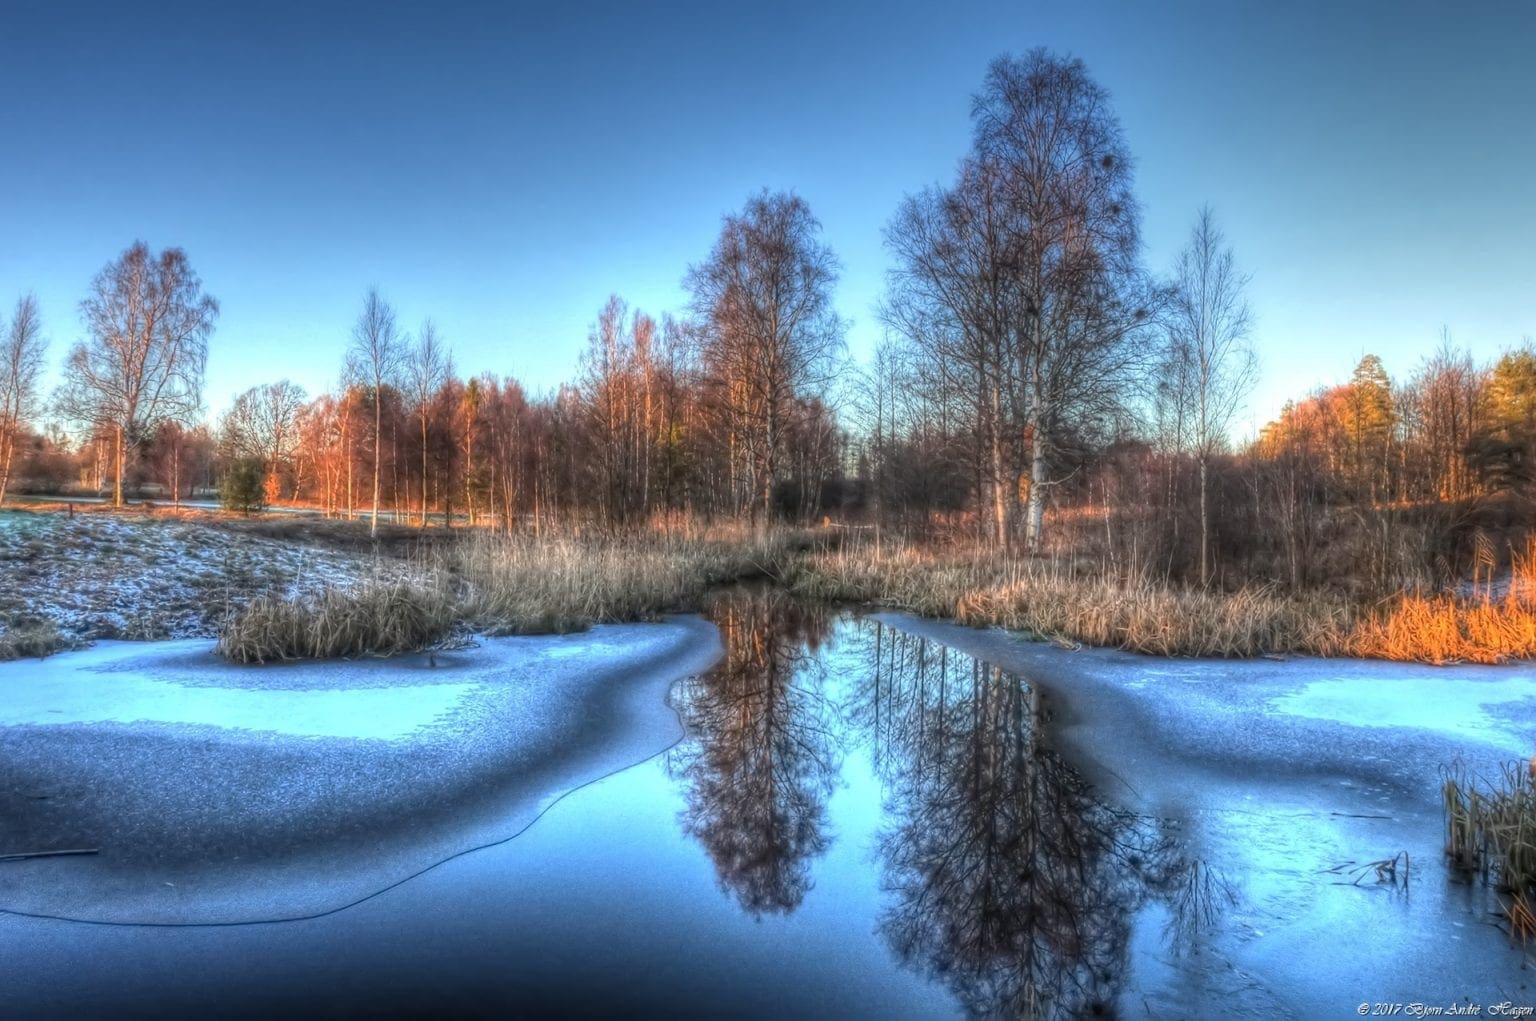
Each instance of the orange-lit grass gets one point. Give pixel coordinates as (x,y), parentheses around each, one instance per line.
(1444,629)
(1078,603)
(1476,628)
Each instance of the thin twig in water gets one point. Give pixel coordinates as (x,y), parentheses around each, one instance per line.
(24,855)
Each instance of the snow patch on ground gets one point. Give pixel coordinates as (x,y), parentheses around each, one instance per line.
(95,576)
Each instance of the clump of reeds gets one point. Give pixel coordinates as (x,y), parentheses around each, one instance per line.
(29,639)
(1485,625)
(520,584)
(1446,629)
(378,617)
(1491,831)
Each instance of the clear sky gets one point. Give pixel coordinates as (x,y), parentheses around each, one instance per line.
(504,168)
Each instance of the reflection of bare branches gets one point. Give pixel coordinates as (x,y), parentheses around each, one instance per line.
(1015,885)
(765,754)
(1011,882)
(1196,895)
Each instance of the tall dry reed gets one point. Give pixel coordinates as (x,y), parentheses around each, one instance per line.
(522,584)
(1490,830)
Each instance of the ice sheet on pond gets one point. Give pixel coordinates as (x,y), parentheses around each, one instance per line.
(1313,787)
(100,686)
(219,792)
(1469,706)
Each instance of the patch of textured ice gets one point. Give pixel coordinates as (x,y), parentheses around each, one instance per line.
(1448,704)
(381,713)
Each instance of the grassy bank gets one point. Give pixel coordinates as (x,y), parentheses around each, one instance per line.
(498,585)
(522,585)
(306,589)
(1060,602)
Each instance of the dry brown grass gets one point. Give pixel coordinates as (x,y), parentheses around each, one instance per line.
(1075,603)
(519,584)
(1058,602)
(376,618)
(499,584)
(29,640)
(1490,830)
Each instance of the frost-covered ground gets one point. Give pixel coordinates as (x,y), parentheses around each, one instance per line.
(95,575)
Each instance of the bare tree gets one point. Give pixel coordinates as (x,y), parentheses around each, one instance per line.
(149,323)
(374,359)
(1021,282)
(765,295)
(1046,130)
(263,423)
(21,364)
(430,367)
(1210,352)
(469,410)
(604,389)
(1448,396)
(954,295)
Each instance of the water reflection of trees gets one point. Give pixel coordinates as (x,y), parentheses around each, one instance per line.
(1013,884)
(764,754)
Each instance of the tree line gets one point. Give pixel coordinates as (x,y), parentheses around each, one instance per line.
(1032,363)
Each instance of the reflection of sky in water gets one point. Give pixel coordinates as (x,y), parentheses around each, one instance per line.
(882,804)
(57,697)
(1445,705)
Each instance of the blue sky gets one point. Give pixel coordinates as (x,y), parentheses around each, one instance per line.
(504,168)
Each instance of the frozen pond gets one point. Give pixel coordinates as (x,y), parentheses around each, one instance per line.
(845,816)
(219,793)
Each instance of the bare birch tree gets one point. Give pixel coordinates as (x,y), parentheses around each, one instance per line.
(430,366)
(21,364)
(375,359)
(149,323)
(765,296)
(1022,281)
(1047,131)
(953,295)
(1210,352)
